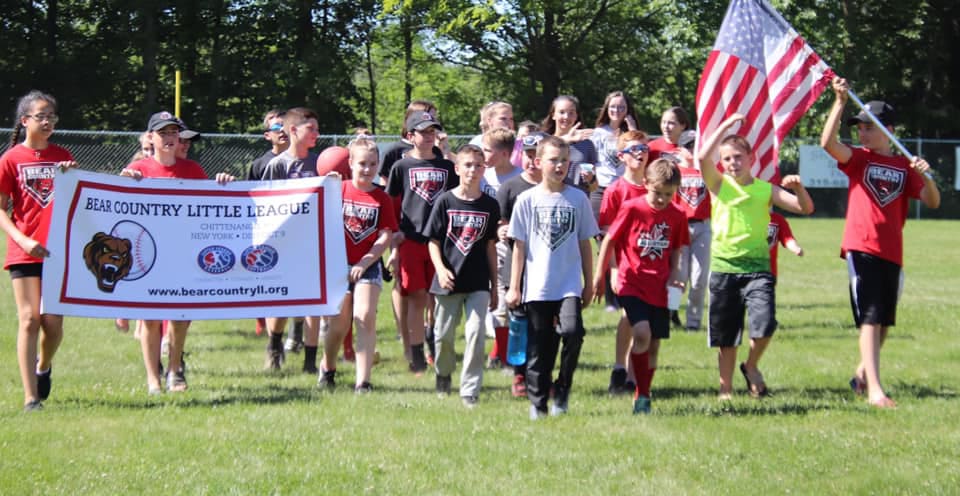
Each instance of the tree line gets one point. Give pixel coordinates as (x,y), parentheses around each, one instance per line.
(111,63)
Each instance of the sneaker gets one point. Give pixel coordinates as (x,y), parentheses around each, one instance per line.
(618,381)
(176,382)
(536,413)
(519,388)
(291,345)
(629,386)
(363,388)
(675,319)
(641,405)
(310,369)
(469,402)
(33,406)
(327,380)
(44,384)
(443,385)
(494,363)
(274,360)
(559,408)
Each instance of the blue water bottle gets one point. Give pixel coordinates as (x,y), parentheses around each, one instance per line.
(517,340)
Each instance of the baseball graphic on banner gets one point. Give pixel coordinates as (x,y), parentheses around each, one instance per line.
(143,248)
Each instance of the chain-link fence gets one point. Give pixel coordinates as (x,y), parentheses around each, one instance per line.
(110,151)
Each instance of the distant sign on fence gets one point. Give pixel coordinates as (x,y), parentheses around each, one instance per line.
(819,170)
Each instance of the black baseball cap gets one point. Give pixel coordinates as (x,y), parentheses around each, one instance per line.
(186,133)
(882,110)
(163,119)
(422,120)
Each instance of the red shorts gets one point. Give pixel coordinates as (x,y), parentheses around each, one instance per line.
(416,269)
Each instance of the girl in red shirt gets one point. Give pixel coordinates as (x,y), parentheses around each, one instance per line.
(26,184)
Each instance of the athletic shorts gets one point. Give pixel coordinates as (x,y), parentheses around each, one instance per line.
(733,296)
(638,310)
(369,276)
(416,269)
(875,286)
(18,271)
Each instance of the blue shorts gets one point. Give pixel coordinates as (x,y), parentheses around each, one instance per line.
(638,310)
(370,276)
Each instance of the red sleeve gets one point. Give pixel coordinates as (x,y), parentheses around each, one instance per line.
(855,164)
(619,226)
(8,175)
(914,183)
(607,207)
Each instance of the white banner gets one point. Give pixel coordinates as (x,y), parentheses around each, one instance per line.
(186,249)
(819,170)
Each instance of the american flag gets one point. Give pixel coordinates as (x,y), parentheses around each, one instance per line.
(759,67)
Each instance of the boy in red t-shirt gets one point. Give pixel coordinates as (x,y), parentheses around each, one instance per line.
(632,152)
(647,235)
(881,185)
(164,131)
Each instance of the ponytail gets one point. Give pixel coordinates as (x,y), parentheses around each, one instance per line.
(15,136)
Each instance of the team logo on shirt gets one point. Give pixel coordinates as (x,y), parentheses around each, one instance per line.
(773,230)
(885,183)
(654,242)
(692,190)
(428,182)
(37,181)
(465,228)
(360,220)
(555,224)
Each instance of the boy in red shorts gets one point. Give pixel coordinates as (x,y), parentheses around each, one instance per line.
(881,185)
(416,181)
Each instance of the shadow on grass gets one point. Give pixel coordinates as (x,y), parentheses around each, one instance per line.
(237,395)
(800,333)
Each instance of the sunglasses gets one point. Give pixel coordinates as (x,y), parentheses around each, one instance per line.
(51,118)
(635,149)
(532,140)
(276,128)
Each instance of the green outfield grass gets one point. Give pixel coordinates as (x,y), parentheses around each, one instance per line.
(240,430)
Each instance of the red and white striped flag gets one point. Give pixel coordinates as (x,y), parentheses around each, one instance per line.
(759,67)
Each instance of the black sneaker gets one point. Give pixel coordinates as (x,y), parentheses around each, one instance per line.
(675,319)
(443,385)
(327,379)
(274,360)
(310,369)
(618,378)
(44,384)
(363,388)
(629,386)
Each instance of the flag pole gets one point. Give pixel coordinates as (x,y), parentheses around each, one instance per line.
(886,132)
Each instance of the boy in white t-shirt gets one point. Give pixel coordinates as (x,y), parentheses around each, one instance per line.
(552,225)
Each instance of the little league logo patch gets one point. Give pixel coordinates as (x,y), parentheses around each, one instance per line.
(360,220)
(654,242)
(259,258)
(126,254)
(465,228)
(884,183)
(428,182)
(555,224)
(216,259)
(37,181)
(692,190)
(772,231)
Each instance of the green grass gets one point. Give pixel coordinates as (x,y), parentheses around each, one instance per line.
(239,430)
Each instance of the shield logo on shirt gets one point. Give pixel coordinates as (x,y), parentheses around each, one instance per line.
(428,182)
(38,181)
(692,190)
(555,224)
(360,220)
(885,183)
(772,231)
(465,228)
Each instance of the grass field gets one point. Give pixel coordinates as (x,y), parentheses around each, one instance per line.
(240,430)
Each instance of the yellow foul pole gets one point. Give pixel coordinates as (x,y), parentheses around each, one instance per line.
(176,95)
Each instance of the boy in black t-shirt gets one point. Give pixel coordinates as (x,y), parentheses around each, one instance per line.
(416,182)
(463,233)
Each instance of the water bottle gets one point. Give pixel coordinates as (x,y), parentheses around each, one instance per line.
(517,338)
